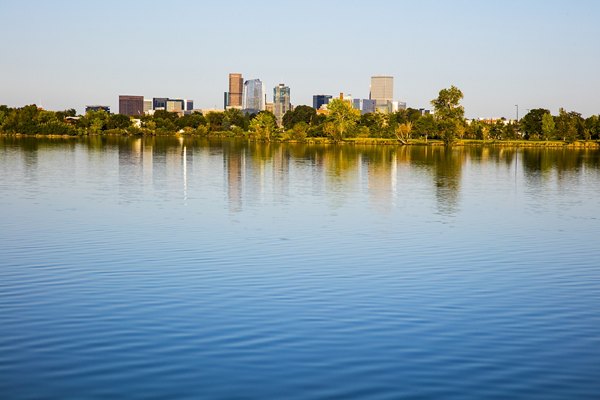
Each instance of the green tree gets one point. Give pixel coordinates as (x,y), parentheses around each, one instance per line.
(548,126)
(449,114)
(425,126)
(304,114)
(341,119)
(215,121)
(592,124)
(263,125)
(191,120)
(531,123)
(118,121)
(569,125)
(233,117)
(299,131)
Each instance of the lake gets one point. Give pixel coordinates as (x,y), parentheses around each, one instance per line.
(187,268)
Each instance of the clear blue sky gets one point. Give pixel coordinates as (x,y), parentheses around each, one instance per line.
(534,53)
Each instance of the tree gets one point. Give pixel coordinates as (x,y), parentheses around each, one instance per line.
(592,124)
(299,131)
(191,120)
(403,131)
(447,104)
(569,125)
(478,130)
(548,126)
(341,119)
(449,114)
(215,120)
(531,123)
(304,114)
(425,126)
(233,117)
(118,121)
(263,125)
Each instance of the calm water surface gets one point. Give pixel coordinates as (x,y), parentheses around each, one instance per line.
(172,268)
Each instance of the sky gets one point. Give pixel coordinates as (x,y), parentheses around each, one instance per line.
(532,53)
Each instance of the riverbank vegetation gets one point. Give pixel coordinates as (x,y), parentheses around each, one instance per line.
(342,123)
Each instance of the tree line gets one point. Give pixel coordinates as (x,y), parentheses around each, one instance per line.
(342,121)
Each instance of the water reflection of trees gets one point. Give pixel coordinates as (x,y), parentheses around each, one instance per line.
(541,161)
(164,161)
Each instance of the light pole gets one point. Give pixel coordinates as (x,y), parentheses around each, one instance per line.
(516,105)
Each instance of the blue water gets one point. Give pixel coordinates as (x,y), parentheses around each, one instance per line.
(172,268)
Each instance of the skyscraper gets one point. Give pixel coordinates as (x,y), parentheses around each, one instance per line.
(131,105)
(320,99)
(159,103)
(382,90)
(189,105)
(254,99)
(236,87)
(281,101)
(175,105)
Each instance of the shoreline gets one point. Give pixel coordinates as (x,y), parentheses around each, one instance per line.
(589,144)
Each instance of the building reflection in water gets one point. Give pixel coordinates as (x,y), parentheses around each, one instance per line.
(264,172)
(233,167)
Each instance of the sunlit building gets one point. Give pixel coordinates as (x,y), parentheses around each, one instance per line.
(281,101)
(233,98)
(175,105)
(382,91)
(148,106)
(131,105)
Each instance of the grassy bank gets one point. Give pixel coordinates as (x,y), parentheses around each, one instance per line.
(362,141)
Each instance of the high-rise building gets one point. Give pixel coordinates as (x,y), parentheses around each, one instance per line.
(97,108)
(281,101)
(382,90)
(365,106)
(254,99)
(148,105)
(131,105)
(189,105)
(175,105)
(320,99)
(159,103)
(236,88)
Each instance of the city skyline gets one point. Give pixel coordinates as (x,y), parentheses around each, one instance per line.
(532,54)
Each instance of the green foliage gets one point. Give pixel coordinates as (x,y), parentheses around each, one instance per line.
(449,114)
(425,126)
(548,126)
(379,124)
(118,121)
(592,124)
(304,114)
(234,118)
(215,121)
(342,118)
(263,125)
(166,115)
(191,121)
(570,125)
(531,123)
(447,104)
(300,131)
